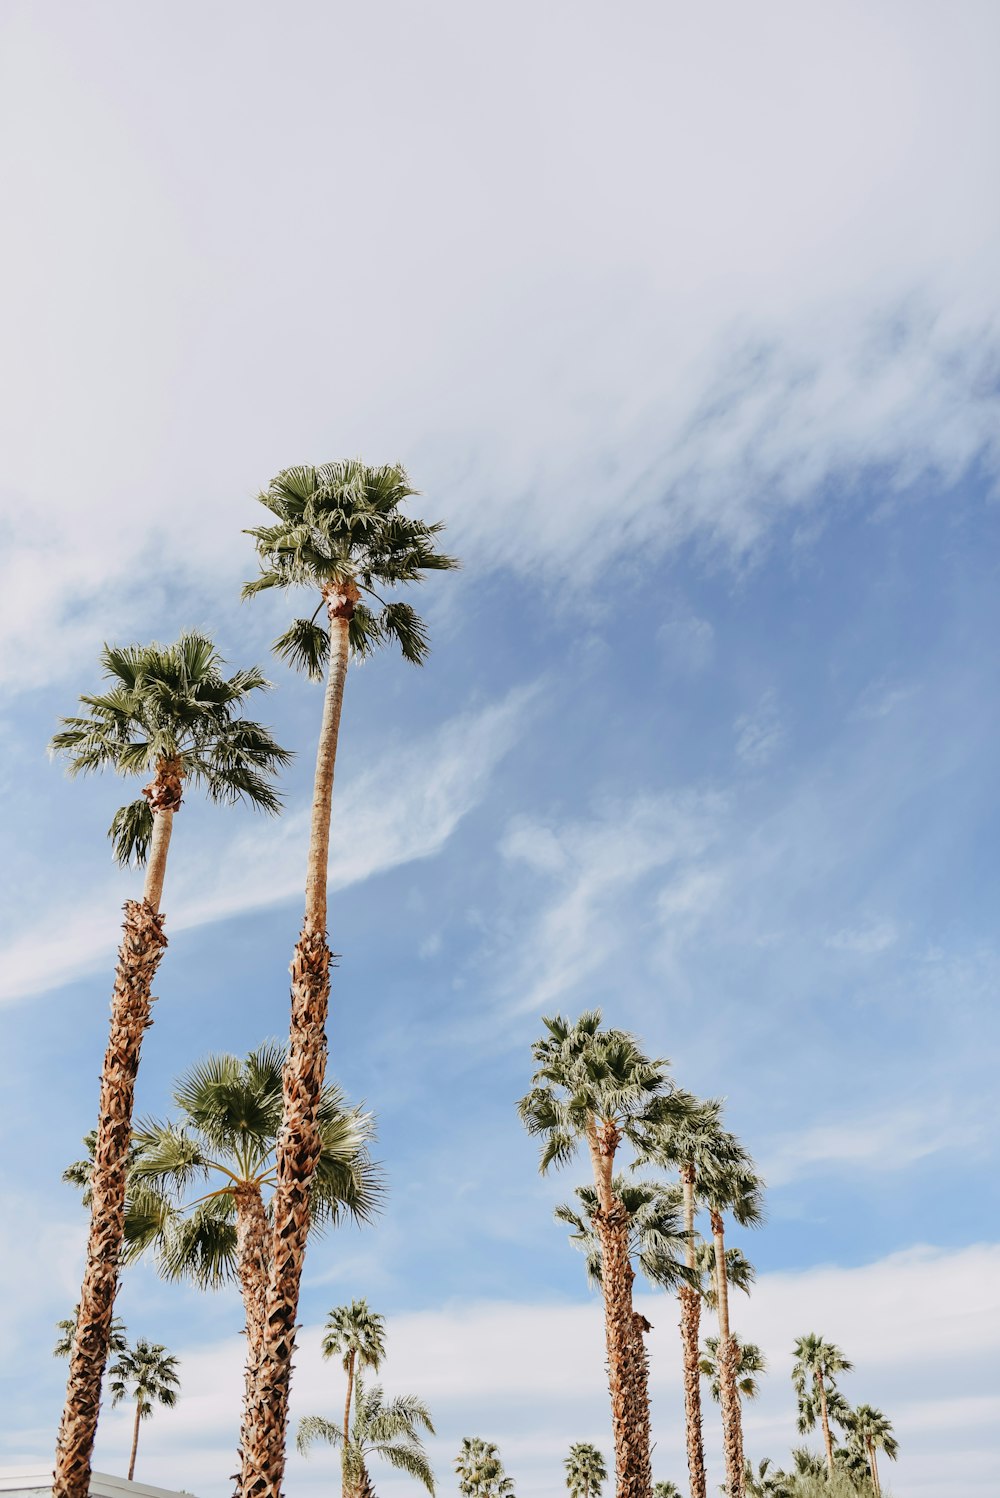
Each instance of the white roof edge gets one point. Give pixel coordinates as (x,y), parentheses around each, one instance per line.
(102,1484)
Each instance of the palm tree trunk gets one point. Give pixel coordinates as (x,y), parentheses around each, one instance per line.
(345,1485)
(732,1418)
(690,1302)
(135,1441)
(876,1484)
(139,956)
(253,1254)
(827,1437)
(299,1144)
(627,1373)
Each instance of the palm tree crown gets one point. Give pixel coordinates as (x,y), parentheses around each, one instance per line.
(336,525)
(146,1373)
(231,1112)
(480,1471)
(585,1470)
(355,1334)
(386,1428)
(749,1362)
(869,1427)
(666,1490)
(655,1237)
(814,1375)
(170,710)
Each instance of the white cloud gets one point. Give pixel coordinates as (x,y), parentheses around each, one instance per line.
(759,734)
(405,807)
(877,1142)
(867,940)
(922,1328)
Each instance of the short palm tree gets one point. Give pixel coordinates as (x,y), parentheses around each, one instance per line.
(732,1186)
(666,1490)
(385,1428)
(226,1139)
(169,711)
(356,1335)
(480,1471)
(870,1432)
(814,1376)
(597,1086)
(337,530)
(146,1373)
(585,1470)
(767,1480)
(693,1142)
(749,1363)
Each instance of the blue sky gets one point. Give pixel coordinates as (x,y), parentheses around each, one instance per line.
(687,326)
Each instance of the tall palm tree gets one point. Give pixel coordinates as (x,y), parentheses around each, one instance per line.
(356,1335)
(226,1138)
(337,530)
(168,710)
(146,1373)
(732,1186)
(814,1376)
(585,1470)
(388,1429)
(596,1086)
(693,1142)
(480,1471)
(871,1432)
(749,1362)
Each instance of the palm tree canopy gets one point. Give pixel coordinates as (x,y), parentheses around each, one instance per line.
(869,1427)
(117,1341)
(732,1184)
(480,1471)
(589,1078)
(656,1236)
(355,1331)
(740,1273)
(585,1469)
(666,1490)
(386,1428)
(231,1111)
(172,705)
(342,523)
(816,1362)
(148,1374)
(749,1362)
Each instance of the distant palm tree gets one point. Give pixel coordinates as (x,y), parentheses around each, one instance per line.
(170,711)
(585,1470)
(666,1490)
(480,1470)
(388,1429)
(814,1374)
(356,1335)
(597,1086)
(871,1432)
(749,1362)
(147,1374)
(117,1339)
(767,1481)
(339,531)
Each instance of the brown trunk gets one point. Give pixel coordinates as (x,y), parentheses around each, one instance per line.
(345,1483)
(690,1329)
(728,1359)
(364,1487)
(135,1441)
(139,955)
(873,1463)
(824,1417)
(299,1144)
(253,1248)
(627,1369)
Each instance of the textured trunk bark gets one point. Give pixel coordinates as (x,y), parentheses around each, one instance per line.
(139,955)
(876,1484)
(627,1371)
(690,1302)
(345,1482)
(135,1442)
(732,1416)
(253,1252)
(364,1488)
(825,1418)
(299,1145)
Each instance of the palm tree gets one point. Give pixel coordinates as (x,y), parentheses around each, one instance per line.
(226,1138)
(871,1432)
(666,1490)
(732,1186)
(117,1338)
(597,1086)
(356,1335)
(480,1470)
(693,1142)
(817,1364)
(384,1428)
(585,1470)
(170,711)
(768,1481)
(749,1362)
(147,1374)
(337,530)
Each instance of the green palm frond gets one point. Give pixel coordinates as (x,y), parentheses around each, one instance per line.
(750,1363)
(131,833)
(388,1429)
(305,646)
(146,1374)
(117,1340)
(313,1428)
(656,1236)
